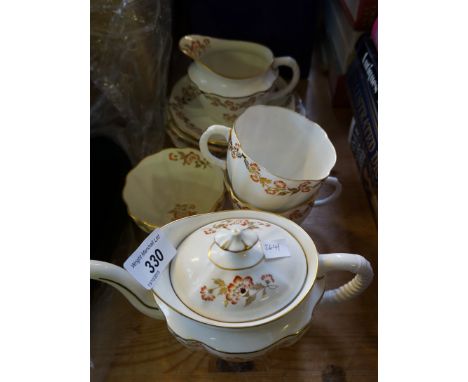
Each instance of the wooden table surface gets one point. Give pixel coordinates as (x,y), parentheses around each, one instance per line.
(341,344)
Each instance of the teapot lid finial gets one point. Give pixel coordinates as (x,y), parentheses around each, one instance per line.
(236,239)
(235,248)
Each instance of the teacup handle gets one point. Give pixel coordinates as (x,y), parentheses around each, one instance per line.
(290,62)
(203,143)
(332,181)
(345,262)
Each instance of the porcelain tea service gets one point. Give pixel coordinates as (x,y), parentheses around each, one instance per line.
(276,160)
(222,293)
(233,75)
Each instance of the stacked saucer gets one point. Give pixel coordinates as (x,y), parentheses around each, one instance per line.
(297,213)
(187,119)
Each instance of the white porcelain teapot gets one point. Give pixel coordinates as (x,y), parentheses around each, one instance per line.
(222,293)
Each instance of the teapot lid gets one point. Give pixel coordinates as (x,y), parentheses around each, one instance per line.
(221,272)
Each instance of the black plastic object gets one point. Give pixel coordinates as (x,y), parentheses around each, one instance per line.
(109,166)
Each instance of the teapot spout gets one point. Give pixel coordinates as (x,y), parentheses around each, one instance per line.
(120,279)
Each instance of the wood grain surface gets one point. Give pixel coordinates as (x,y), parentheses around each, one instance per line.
(341,344)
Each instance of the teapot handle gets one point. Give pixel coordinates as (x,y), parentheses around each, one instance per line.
(121,280)
(345,262)
(290,62)
(203,143)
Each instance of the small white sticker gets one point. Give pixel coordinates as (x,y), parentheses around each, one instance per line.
(274,249)
(150,259)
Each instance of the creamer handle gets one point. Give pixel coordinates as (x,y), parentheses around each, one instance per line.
(290,62)
(121,280)
(203,143)
(345,262)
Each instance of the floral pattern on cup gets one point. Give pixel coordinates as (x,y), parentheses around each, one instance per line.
(189,158)
(241,288)
(271,187)
(195,48)
(182,210)
(225,224)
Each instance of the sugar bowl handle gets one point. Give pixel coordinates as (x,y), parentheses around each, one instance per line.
(203,143)
(345,262)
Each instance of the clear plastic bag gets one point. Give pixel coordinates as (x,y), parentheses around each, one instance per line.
(130,50)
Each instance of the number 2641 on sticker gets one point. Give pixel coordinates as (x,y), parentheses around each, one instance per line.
(275,249)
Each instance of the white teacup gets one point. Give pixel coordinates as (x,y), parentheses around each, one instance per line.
(276,160)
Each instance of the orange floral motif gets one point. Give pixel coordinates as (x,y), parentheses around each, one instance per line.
(189,93)
(183,210)
(240,288)
(189,158)
(230,105)
(276,187)
(255,178)
(268,278)
(225,224)
(280,184)
(207,294)
(234,150)
(304,187)
(230,118)
(296,214)
(254,167)
(196,47)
